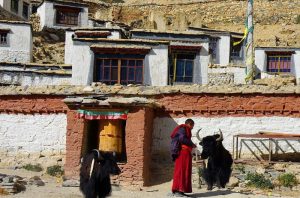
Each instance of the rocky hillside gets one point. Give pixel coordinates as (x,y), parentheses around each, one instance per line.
(277,22)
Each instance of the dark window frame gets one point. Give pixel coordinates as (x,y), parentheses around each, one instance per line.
(3,38)
(14,6)
(25,12)
(178,57)
(279,63)
(111,70)
(67,16)
(213,48)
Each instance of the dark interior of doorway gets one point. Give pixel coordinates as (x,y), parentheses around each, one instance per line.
(91,139)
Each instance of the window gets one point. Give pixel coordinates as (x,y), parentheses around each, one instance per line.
(213,48)
(67,15)
(182,70)
(278,63)
(119,70)
(237,51)
(14,6)
(34,9)
(25,10)
(3,38)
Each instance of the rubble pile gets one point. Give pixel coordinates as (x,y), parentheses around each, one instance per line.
(49,46)
(239,181)
(35,22)
(10,184)
(276,81)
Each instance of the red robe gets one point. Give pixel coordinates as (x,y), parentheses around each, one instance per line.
(182,180)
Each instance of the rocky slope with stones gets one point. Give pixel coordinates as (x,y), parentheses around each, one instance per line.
(276,21)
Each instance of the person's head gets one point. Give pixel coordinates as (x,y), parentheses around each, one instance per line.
(189,122)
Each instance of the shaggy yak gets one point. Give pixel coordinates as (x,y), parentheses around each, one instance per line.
(95,171)
(217,170)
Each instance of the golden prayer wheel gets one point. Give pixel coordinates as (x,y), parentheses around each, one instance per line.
(110,136)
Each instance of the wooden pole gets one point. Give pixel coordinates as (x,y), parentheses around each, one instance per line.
(249,46)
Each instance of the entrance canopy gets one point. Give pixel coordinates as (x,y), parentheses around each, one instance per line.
(102,115)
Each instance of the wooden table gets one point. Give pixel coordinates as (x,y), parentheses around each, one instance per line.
(261,135)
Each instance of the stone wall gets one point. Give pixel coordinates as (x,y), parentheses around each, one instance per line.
(220,78)
(33,138)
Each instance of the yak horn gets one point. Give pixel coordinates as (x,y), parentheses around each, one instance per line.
(98,154)
(221,136)
(197,134)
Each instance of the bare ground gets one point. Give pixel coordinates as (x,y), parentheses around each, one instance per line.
(53,189)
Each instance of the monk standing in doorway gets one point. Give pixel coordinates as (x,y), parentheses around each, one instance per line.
(181,136)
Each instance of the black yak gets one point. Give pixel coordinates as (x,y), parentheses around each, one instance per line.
(95,171)
(217,170)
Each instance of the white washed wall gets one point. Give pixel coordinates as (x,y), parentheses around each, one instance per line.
(82,60)
(19,47)
(204,61)
(156,66)
(33,79)
(32,138)
(230,126)
(223,50)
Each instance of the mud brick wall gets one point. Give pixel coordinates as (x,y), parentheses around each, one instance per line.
(138,148)
(220,105)
(138,137)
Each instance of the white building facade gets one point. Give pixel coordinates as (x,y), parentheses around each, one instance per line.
(20,8)
(62,15)
(16,41)
(272,61)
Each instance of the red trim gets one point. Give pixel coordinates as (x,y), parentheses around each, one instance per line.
(116,50)
(67,8)
(278,53)
(99,34)
(185,47)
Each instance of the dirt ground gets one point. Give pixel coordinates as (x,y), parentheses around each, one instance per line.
(53,189)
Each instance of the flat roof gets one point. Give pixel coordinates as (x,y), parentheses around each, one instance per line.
(14,64)
(120,46)
(8,16)
(67,3)
(136,41)
(167,32)
(278,48)
(210,30)
(15,22)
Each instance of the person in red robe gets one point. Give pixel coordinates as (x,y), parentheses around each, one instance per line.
(182,181)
